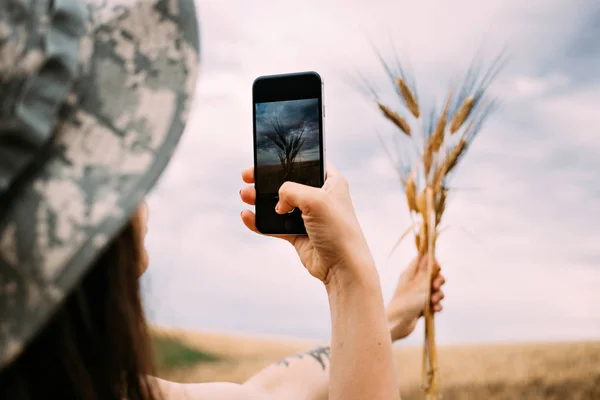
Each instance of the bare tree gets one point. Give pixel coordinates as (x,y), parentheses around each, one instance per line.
(288,142)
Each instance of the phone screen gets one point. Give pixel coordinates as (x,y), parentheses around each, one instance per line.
(288,145)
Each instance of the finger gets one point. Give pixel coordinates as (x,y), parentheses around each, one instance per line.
(436,297)
(438,308)
(420,264)
(413,267)
(424,265)
(249,219)
(294,195)
(331,171)
(438,281)
(436,268)
(248,195)
(248,175)
(334,179)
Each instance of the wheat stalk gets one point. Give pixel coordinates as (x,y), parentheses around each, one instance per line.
(427,198)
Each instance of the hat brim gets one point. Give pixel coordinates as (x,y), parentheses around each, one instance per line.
(105,157)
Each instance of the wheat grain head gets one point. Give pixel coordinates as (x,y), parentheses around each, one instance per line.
(409,97)
(440,205)
(462,114)
(438,135)
(411,192)
(454,155)
(395,118)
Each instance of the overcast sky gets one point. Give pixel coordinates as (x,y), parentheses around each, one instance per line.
(521,254)
(295,117)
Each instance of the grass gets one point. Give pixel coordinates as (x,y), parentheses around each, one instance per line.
(533,371)
(173,353)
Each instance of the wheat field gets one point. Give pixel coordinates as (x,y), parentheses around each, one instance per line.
(556,371)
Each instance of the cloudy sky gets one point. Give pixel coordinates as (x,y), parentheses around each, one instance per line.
(521,252)
(294,116)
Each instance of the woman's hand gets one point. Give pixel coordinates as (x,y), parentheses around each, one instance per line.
(408,303)
(335,242)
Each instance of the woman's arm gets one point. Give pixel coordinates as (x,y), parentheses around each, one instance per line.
(313,375)
(335,251)
(362,365)
(302,376)
(305,376)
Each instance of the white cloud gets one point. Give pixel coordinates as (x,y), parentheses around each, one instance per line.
(524,87)
(525,266)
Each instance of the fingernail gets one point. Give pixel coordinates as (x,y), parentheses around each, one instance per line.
(277,207)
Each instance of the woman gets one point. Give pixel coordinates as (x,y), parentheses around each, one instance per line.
(108,302)
(94,98)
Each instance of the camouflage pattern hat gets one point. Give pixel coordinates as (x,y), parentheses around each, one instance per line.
(94,96)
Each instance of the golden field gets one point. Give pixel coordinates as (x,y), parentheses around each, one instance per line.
(557,371)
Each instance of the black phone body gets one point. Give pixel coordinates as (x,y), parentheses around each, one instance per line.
(289,144)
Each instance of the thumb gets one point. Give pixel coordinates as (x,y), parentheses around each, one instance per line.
(414,266)
(294,195)
(423,265)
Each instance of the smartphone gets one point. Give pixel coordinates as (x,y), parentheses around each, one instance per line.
(289,145)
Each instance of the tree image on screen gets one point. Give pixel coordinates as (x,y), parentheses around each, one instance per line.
(288,145)
(288,142)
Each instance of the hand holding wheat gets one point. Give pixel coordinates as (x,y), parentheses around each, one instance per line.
(439,143)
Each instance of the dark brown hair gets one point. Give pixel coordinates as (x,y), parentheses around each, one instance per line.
(97,346)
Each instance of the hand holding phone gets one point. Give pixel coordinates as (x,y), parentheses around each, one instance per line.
(334,239)
(288,144)
(317,217)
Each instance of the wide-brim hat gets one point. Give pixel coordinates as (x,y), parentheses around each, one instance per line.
(94,96)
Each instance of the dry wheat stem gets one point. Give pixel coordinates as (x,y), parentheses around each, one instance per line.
(425,367)
(432,389)
(421,202)
(430,212)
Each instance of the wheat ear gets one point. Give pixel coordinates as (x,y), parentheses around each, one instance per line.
(462,114)
(395,118)
(409,97)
